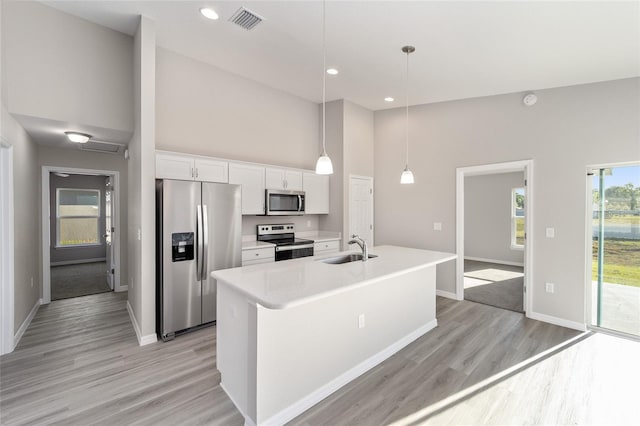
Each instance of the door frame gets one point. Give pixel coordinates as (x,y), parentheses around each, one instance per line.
(588,235)
(348,226)
(46,228)
(489,169)
(7,338)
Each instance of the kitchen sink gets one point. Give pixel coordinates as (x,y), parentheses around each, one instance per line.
(346,258)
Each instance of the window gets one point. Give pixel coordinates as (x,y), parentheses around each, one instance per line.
(77,217)
(517,218)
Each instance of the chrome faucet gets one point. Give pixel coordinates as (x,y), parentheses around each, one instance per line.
(363,245)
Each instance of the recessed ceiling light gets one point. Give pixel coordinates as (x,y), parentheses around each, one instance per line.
(389,99)
(209,13)
(78,137)
(332,71)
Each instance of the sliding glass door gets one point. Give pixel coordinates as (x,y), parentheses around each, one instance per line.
(615,284)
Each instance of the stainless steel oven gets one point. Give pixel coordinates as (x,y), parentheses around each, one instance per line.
(287,245)
(281,202)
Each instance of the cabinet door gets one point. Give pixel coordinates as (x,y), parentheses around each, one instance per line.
(316,188)
(173,166)
(252,180)
(293,179)
(211,170)
(274,178)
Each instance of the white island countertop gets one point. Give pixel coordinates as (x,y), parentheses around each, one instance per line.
(282,285)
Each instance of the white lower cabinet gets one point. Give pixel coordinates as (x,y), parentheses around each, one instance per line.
(252,180)
(326,247)
(254,256)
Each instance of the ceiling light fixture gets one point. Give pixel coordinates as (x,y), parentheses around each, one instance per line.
(407,175)
(324,166)
(332,71)
(209,13)
(389,99)
(78,137)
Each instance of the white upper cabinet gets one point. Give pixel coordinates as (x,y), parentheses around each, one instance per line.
(283,179)
(211,170)
(188,167)
(252,179)
(174,166)
(316,188)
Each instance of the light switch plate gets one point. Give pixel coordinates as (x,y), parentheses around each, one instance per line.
(551,232)
(437,226)
(361,323)
(550,287)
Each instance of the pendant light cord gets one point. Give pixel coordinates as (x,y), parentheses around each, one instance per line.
(324,81)
(407,111)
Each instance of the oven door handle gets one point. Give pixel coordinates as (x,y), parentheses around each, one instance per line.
(288,248)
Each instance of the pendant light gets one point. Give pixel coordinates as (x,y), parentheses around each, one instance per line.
(324,166)
(407,175)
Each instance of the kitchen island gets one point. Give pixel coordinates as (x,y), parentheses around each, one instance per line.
(291,333)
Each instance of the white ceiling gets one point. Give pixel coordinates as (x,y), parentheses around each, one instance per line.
(463,49)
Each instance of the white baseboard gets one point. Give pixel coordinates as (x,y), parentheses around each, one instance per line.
(557,321)
(500,262)
(318,395)
(142,340)
(74,262)
(25,323)
(446,294)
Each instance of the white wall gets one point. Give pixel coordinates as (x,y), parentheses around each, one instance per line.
(76,158)
(141,195)
(487,217)
(204,110)
(64,68)
(27,277)
(566,130)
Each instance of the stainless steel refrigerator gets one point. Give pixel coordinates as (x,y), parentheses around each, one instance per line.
(198,230)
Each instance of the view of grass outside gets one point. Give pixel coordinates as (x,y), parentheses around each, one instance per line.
(621,231)
(78,217)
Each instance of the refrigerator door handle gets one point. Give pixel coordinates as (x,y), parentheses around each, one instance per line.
(199,247)
(205,243)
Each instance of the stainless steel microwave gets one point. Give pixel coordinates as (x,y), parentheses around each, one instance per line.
(284,203)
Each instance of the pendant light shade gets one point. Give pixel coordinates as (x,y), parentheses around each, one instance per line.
(407,175)
(324,166)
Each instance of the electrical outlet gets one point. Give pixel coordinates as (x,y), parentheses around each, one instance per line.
(361,323)
(550,287)
(308,224)
(437,226)
(31,282)
(139,234)
(131,282)
(551,232)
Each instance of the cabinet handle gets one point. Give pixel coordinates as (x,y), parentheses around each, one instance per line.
(196,172)
(192,174)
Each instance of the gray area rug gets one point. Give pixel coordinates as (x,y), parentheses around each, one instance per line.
(69,281)
(494,284)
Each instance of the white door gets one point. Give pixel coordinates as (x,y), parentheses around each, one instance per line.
(361,208)
(108,234)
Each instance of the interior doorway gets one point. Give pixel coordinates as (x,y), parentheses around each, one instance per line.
(613,235)
(493,217)
(360,208)
(80,238)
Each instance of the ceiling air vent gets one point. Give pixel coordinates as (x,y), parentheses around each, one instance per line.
(245,18)
(101,146)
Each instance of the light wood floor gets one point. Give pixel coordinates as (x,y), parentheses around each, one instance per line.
(79,363)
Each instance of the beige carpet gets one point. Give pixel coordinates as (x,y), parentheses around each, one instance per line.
(494,284)
(78,280)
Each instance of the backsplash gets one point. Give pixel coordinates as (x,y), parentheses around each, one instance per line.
(302,223)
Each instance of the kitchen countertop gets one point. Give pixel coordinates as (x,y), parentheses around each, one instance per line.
(282,285)
(250,245)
